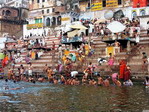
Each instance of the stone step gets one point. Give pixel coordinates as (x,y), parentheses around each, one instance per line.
(35,65)
(144,43)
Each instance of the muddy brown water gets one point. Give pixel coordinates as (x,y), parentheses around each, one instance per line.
(45,97)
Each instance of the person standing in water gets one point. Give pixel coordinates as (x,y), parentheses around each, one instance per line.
(111,61)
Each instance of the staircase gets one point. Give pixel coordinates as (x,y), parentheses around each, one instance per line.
(48,57)
(135,61)
(51,59)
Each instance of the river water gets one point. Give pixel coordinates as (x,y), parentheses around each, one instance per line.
(45,97)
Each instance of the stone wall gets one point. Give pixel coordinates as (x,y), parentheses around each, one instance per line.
(11,29)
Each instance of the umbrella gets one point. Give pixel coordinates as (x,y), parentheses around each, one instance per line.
(116,27)
(100,21)
(78,26)
(108,14)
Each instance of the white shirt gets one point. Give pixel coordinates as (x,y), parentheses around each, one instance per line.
(74,73)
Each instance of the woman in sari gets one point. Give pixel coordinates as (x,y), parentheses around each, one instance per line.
(122,69)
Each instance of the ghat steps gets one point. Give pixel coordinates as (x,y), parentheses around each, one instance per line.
(135,61)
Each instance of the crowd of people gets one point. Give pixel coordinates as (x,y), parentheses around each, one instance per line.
(100,29)
(66,73)
(88,77)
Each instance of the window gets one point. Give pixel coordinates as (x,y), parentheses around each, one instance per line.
(47,10)
(8,13)
(53,21)
(134,14)
(59,20)
(142,12)
(38,1)
(119,2)
(89,5)
(104,3)
(53,10)
(48,22)
(42,11)
(38,20)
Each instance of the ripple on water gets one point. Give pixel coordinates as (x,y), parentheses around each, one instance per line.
(4,98)
(14,102)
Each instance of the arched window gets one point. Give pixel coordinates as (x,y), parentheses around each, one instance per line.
(134,14)
(8,13)
(142,12)
(48,22)
(53,21)
(59,20)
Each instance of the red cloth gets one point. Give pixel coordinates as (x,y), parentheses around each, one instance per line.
(122,69)
(143,3)
(139,3)
(135,3)
(3,63)
(127,75)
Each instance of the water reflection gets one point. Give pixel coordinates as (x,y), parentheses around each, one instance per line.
(45,97)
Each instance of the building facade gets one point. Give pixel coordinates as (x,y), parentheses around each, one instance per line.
(47,14)
(100,8)
(16,3)
(12,20)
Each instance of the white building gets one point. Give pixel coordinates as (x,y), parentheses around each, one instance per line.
(17,3)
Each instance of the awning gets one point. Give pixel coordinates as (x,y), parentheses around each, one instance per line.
(100,21)
(78,26)
(72,34)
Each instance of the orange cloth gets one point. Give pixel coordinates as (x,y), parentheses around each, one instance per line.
(66,52)
(122,69)
(33,55)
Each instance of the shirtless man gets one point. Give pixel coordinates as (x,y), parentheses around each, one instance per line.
(100,81)
(106,81)
(49,72)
